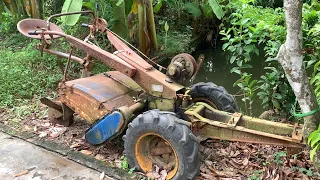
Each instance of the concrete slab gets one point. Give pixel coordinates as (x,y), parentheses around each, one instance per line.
(17,156)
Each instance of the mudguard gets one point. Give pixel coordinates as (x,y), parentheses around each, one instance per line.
(105,128)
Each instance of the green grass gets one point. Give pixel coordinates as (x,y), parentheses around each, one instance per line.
(24,74)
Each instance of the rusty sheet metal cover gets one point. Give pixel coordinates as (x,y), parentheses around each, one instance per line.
(94,96)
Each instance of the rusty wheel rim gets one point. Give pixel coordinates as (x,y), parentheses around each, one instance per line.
(153,149)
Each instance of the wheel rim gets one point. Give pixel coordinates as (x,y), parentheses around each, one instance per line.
(153,149)
(201,99)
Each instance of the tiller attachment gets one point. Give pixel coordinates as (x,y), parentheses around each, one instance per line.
(58,113)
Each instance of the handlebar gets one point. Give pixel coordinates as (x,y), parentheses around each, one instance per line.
(33,32)
(67,14)
(85,25)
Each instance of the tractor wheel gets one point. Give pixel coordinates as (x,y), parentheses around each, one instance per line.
(159,139)
(216,96)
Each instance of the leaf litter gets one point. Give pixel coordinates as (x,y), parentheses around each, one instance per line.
(221,160)
(237,160)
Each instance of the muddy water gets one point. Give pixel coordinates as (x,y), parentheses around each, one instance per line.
(216,68)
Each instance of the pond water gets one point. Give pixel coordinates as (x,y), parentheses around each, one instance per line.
(216,68)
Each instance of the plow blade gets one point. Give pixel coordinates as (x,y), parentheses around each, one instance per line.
(212,123)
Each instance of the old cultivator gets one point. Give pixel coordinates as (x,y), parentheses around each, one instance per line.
(160,117)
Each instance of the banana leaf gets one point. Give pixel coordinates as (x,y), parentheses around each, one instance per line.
(120,25)
(1,7)
(11,6)
(71,6)
(216,8)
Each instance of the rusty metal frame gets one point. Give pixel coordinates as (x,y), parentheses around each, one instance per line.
(128,63)
(235,127)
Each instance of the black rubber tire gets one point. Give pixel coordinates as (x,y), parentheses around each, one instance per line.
(218,95)
(167,125)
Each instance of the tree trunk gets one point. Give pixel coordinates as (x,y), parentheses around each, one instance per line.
(35,11)
(291,59)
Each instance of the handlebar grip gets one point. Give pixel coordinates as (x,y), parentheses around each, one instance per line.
(33,32)
(85,25)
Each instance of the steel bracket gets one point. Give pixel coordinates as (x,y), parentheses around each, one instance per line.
(234,120)
(297,133)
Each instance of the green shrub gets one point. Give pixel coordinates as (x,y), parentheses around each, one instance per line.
(248,26)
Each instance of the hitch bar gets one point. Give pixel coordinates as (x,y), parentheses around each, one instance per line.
(212,123)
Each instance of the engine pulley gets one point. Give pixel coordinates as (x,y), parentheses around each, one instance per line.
(181,68)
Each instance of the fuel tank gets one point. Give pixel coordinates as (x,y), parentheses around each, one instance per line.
(95,96)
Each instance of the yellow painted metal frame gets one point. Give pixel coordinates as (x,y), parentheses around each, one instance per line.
(245,129)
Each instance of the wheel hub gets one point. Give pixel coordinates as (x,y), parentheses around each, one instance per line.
(152,149)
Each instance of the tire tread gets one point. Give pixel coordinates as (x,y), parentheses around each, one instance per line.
(216,94)
(178,134)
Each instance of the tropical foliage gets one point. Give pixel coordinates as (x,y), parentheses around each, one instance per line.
(314,142)
(251,26)
(32,8)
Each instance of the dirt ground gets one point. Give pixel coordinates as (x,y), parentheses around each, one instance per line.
(221,160)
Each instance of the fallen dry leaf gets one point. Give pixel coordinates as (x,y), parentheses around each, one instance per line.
(163,174)
(47,124)
(21,173)
(99,157)
(86,152)
(35,128)
(102,176)
(245,162)
(57,131)
(43,134)
(208,176)
(75,145)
